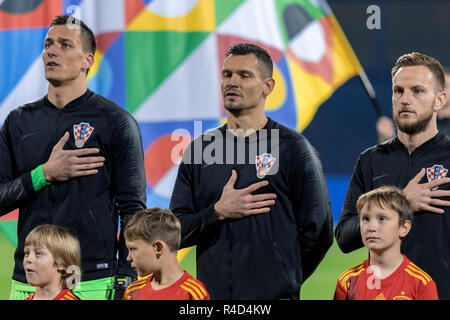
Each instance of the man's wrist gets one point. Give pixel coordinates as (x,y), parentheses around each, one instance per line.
(38,179)
(217,213)
(46,173)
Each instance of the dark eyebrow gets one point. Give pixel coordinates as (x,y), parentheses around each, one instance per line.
(238,71)
(64,40)
(59,39)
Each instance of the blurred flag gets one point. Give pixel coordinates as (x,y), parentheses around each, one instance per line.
(161,60)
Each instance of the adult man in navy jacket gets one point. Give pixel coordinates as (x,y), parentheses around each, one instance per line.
(251,194)
(417,160)
(75,159)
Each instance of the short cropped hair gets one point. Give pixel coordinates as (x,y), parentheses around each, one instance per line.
(87,36)
(154,224)
(64,247)
(387,197)
(264,60)
(420,59)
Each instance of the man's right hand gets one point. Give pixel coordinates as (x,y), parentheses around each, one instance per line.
(422,196)
(63,165)
(239,203)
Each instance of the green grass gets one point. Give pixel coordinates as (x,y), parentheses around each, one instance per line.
(322,283)
(6,265)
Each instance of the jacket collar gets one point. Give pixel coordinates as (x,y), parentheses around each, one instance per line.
(83,99)
(429,145)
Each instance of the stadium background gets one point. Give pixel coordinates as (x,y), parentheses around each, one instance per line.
(160,59)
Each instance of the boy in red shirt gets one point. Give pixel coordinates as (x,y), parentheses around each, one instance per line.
(385,219)
(50,254)
(153,237)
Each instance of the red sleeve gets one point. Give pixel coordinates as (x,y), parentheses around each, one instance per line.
(428,291)
(340,293)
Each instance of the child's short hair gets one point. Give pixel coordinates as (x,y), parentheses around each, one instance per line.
(387,197)
(154,224)
(64,247)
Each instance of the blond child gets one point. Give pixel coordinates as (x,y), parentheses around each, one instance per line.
(153,237)
(51,261)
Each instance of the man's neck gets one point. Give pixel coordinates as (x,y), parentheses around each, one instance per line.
(62,95)
(246,123)
(412,142)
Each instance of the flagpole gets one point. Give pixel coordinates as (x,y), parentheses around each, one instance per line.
(370,92)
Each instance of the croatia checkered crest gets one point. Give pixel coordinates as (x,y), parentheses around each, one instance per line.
(81,133)
(436,172)
(263,164)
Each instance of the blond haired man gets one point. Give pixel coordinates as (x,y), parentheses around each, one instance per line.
(417,161)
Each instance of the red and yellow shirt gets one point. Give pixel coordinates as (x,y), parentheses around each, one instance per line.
(407,282)
(186,288)
(63,295)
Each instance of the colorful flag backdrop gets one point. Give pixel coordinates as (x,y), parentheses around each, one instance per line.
(161,60)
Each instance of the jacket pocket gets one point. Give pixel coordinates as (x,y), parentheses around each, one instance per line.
(288,270)
(99,232)
(94,248)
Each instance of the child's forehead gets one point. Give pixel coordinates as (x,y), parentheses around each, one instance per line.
(374,207)
(35,246)
(137,241)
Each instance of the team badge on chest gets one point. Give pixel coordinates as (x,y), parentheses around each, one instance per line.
(436,172)
(81,133)
(263,164)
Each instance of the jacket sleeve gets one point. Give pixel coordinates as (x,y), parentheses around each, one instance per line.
(348,235)
(312,206)
(194,222)
(128,177)
(14,191)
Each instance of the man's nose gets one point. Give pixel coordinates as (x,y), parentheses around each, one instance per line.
(233,81)
(405,98)
(52,50)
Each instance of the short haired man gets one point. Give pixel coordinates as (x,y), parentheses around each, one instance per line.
(74,159)
(417,161)
(258,210)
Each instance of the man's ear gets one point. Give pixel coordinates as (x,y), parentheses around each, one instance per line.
(269,85)
(441,99)
(88,61)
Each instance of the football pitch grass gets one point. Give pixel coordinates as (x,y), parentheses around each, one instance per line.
(320,286)
(322,283)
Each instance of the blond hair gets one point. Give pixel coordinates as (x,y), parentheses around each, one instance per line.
(387,197)
(64,247)
(154,224)
(420,59)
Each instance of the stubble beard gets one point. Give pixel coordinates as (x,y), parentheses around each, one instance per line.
(418,126)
